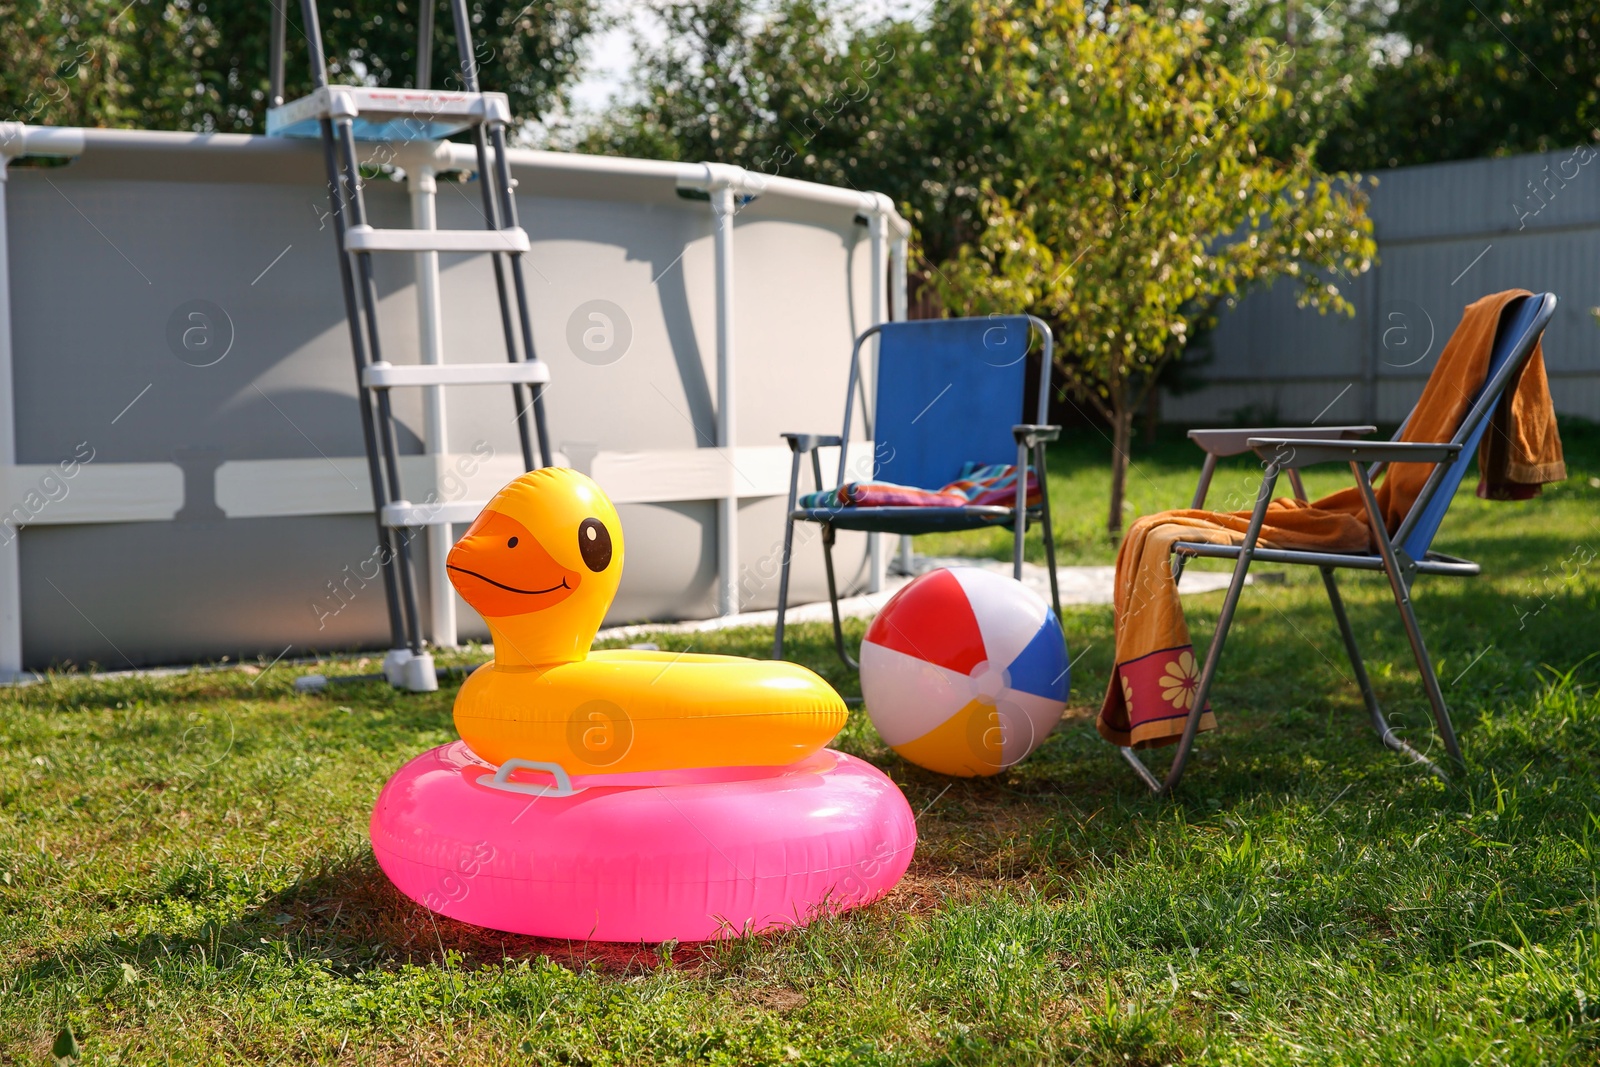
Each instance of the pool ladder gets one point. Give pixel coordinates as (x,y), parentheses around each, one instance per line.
(415,122)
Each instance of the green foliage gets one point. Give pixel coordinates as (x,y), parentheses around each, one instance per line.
(1479,78)
(65,1049)
(1327,50)
(732,82)
(798,88)
(66,65)
(1119,171)
(202,65)
(1141,199)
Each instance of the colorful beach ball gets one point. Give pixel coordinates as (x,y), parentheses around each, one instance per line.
(965,671)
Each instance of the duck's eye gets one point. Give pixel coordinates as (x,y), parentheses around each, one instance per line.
(511,543)
(594,544)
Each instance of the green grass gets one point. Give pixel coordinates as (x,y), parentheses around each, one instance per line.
(185,876)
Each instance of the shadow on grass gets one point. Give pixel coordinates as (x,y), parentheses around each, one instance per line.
(1293,727)
(349,919)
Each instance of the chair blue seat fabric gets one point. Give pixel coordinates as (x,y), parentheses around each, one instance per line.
(908,520)
(947,393)
(1524,319)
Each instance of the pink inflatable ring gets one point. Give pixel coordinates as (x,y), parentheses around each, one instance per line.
(692,858)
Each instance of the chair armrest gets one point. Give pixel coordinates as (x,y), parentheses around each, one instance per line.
(1030,434)
(810,442)
(1231,442)
(1290,452)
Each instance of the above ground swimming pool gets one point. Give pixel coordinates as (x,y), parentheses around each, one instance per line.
(186,475)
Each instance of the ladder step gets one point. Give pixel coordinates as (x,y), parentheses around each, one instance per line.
(390,376)
(379,114)
(405,513)
(367,239)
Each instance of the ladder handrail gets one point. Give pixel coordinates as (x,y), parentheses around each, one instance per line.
(339,112)
(392,581)
(425,44)
(275,56)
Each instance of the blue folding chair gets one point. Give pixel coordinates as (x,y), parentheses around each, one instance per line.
(948,392)
(1401,555)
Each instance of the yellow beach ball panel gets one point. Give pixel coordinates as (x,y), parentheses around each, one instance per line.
(968,744)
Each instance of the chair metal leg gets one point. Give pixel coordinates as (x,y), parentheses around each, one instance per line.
(1230,604)
(783,586)
(788,551)
(1019,514)
(1402,599)
(833,598)
(1207,469)
(1049,527)
(1141,770)
(1379,723)
(1430,679)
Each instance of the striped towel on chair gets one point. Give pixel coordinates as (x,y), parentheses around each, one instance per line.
(994,483)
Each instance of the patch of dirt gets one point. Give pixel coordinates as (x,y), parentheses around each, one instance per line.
(777,998)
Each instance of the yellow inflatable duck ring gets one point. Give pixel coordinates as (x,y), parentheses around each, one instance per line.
(541,564)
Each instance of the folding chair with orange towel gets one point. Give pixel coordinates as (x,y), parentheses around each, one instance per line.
(1488,393)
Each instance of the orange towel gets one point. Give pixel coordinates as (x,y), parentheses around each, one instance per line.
(1153,686)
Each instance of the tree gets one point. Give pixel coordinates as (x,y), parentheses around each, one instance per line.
(65,65)
(1143,200)
(202,64)
(1477,78)
(794,87)
(713,87)
(1328,51)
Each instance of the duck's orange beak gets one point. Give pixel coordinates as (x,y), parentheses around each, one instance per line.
(501,569)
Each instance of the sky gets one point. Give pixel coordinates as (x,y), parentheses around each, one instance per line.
(610,55)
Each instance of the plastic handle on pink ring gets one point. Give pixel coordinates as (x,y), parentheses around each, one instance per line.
(502,779)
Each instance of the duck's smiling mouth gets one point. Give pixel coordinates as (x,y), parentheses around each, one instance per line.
(498,544)
(510,588)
